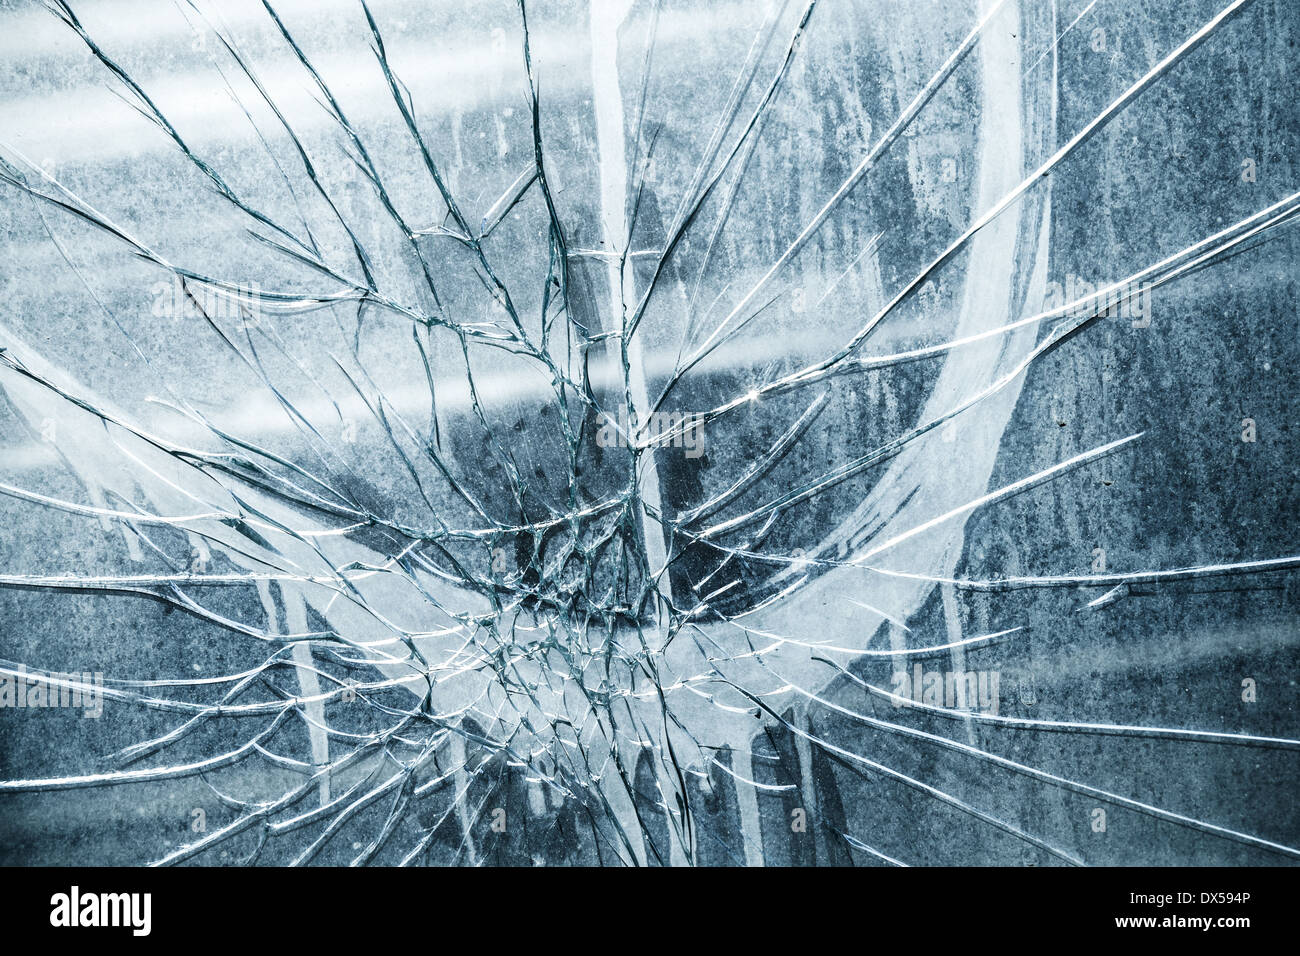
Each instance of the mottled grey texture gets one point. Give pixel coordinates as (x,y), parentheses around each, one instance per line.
(411,309)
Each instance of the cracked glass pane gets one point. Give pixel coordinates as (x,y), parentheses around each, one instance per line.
(649,432)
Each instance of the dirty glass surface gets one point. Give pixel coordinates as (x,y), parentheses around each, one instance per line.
(649,432)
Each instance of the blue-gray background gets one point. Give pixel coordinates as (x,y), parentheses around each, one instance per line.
(1221,347)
